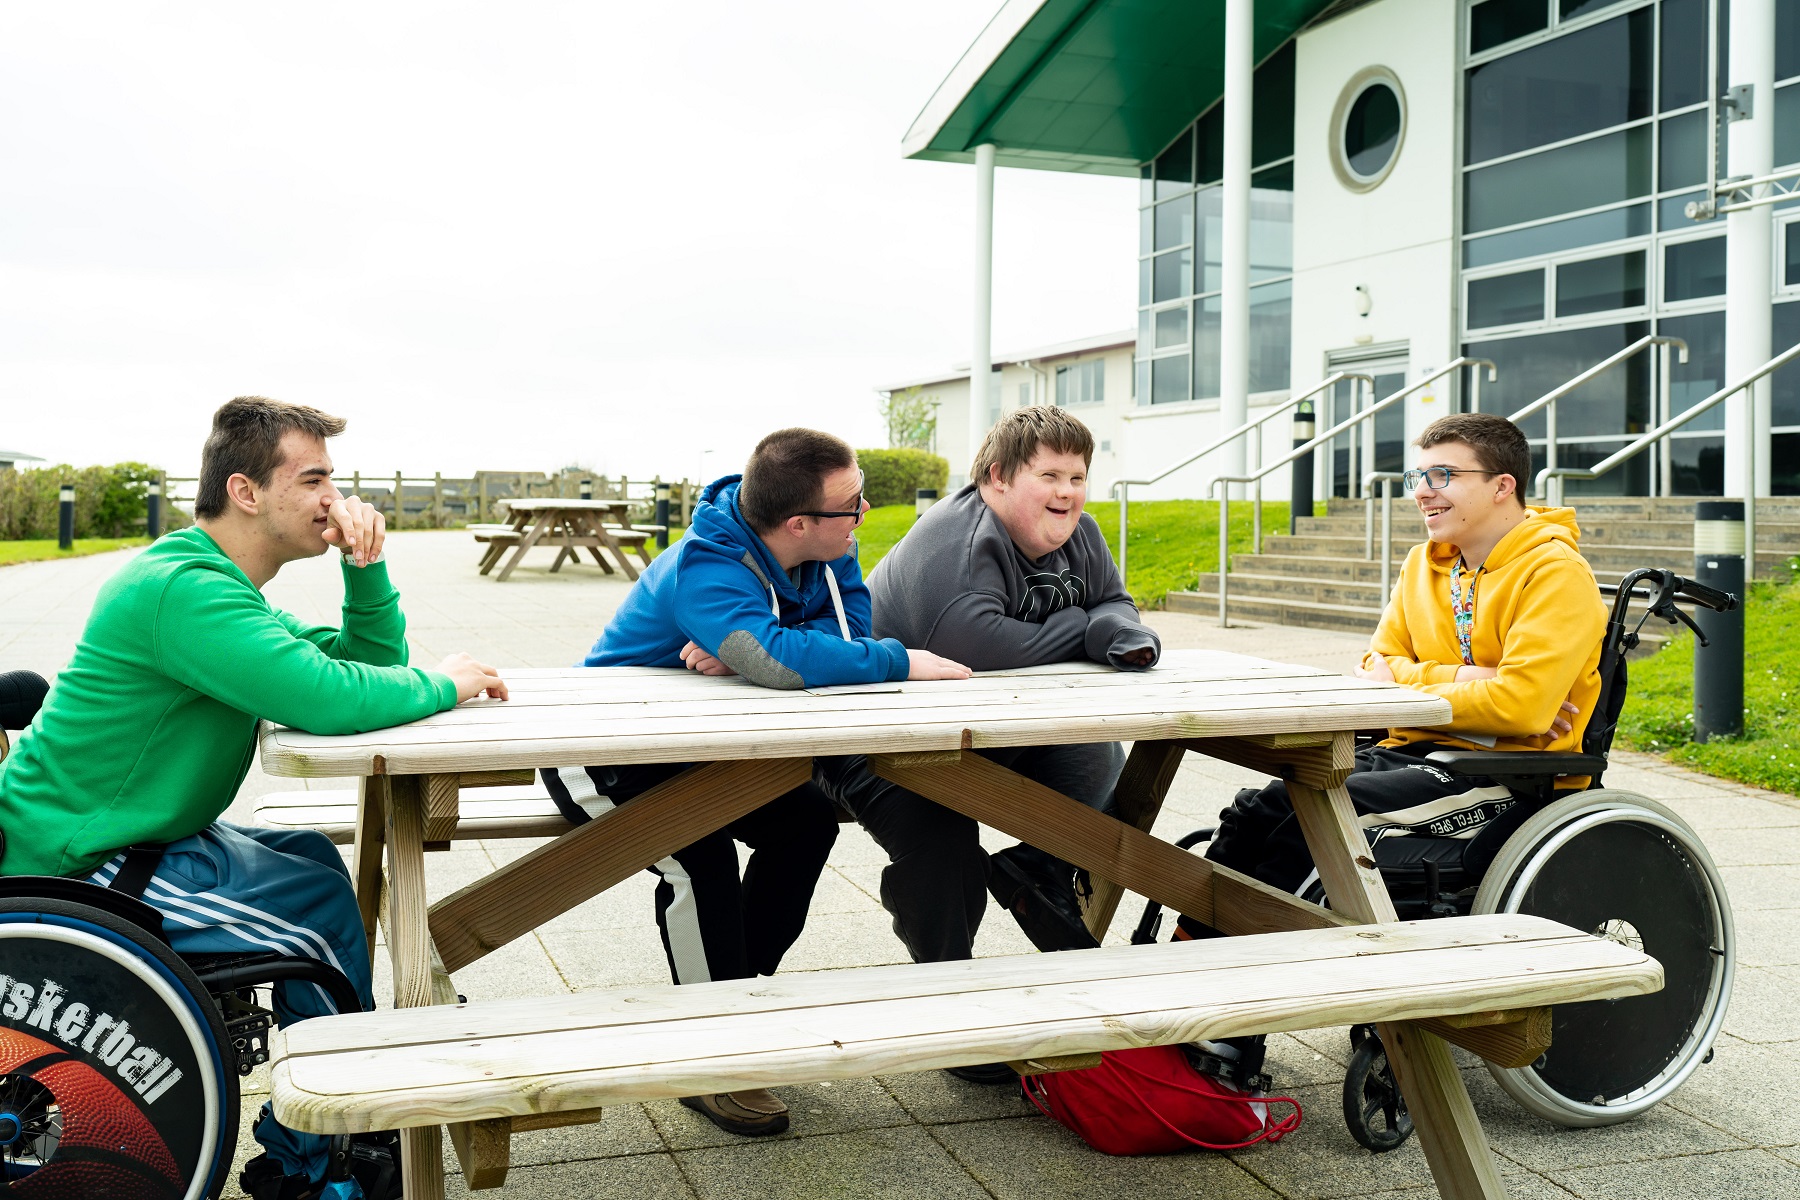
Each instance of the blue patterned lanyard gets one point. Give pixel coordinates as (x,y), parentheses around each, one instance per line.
(1462,607)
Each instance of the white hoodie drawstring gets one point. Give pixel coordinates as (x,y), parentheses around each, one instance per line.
(837,602)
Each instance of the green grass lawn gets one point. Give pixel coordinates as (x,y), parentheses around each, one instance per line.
(42,549)
(1659,710)
(1172,541)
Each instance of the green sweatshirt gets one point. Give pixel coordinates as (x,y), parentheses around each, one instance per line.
(149,730)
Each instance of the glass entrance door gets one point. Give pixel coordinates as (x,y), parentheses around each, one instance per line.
(1352,454)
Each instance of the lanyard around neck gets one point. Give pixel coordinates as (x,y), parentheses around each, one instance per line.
(1462,607)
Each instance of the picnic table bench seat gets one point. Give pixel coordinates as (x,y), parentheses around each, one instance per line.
(523,811)
(509,1065)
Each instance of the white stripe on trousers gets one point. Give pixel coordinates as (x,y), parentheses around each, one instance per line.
(681,920)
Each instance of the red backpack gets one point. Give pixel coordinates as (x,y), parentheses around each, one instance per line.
(1151,1100)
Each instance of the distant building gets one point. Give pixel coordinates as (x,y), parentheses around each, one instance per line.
(1091,377)
(9,458)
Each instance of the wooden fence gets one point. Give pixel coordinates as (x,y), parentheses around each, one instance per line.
(438,501)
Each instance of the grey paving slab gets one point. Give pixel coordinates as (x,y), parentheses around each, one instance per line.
(814,1110)
(1765,1005)
(1034,1160)
(1747,1089)
(637,1177)
(1738,1174)
(1767,847)
(1754,888)
(904,1163)
(1768,937)
(939,1098)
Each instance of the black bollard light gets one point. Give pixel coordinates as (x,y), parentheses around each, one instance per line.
(587,489)
(662,515)
(1719,665)
(1300,491)
(153,510)
(65,517)
(923,499)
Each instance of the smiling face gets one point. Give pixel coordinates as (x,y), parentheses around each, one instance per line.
(1040,506)
(1472,509)
(292,508)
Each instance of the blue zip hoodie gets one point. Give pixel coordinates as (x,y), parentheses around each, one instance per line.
(715,590)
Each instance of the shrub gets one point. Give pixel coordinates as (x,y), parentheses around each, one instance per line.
(891,476)
(109,501)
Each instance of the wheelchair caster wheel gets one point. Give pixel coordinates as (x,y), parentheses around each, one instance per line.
(1374,1110)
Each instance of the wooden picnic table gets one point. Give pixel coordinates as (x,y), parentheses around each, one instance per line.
(571,526)
(753,744)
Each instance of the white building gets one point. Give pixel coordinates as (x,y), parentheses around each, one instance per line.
(1502,179)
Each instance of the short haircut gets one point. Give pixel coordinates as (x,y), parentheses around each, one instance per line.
(1015,440)
(246,440)
(786,475)
(1499,445)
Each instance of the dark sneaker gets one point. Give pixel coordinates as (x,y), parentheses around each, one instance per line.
(986,1074)
(263,1179)
(757,1112)
(1045,908)
(364,1166)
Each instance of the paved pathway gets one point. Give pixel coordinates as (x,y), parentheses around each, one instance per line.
(1733,1131)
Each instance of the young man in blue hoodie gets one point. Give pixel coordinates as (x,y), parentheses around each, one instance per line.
(766,585)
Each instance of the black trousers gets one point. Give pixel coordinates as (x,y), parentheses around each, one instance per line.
(716,924)
(935,883)
(1395,794)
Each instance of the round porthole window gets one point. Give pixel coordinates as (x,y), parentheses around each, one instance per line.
(1367,129)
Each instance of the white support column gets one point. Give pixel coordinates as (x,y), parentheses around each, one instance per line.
(1750,143)
(981,356)
(1234,258)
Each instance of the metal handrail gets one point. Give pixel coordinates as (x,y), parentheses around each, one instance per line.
(1121,488)
(1549,398)
(1367,414)
(1662,431)
(1387,479)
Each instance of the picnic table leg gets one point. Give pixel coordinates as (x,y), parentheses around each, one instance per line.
(618,552)
(1449,1131)
(588,529)
(538,529)
(409,946)
(371,836)
(1138,799)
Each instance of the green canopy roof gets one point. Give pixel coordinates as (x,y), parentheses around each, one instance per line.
(1098,86)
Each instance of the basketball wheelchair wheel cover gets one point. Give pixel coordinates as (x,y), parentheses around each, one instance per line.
(1622,866)
(144,1104)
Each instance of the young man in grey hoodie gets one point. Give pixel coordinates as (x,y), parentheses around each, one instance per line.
(1008,572)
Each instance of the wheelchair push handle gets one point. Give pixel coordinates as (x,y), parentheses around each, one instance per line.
(1705,597)
(21,695)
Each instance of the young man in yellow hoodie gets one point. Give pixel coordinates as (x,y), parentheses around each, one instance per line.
(1498,613)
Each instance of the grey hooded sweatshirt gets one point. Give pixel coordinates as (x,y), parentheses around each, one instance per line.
(958,586)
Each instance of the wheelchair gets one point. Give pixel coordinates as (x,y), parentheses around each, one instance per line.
(120,1059)
(1613,862)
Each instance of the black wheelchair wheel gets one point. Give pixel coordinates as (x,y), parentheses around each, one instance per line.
(1374,1110)
(113,1079)
(1623,867)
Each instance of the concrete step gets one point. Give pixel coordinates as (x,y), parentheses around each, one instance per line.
(1277,612)
(1328,591)
(1778,509)
(1604,528)
(1353,570)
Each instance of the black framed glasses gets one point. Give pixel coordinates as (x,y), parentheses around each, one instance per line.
(857,512)
(1437,477)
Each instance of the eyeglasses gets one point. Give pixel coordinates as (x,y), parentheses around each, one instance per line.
(856,512)
(1438,477)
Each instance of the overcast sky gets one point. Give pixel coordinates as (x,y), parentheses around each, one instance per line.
(505,236)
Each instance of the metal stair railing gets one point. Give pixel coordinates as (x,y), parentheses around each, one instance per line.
(1366,415)
(1550,479)
(1121,489)
(1664,347)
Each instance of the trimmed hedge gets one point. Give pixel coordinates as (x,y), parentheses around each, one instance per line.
(892,476)
(110,501)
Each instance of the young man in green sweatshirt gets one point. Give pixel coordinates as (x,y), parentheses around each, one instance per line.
(148,732)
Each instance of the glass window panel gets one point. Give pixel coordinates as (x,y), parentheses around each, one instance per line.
(1174,223)
(1600,284)
(1209,236)
(1146,184)
(1275,179)
(1372,130)
(1614,403)
(1683,53)
(1146,230)
(1271,233)
(1144,268)
(1787,125)
(1175,166)
(1174,275)
(1704,371)
(1559,89)
(1699,465)
(1169,380)
(1506,299)
(1143,339)
(1141,382)
(1790,266)
(1784,465)
(1671,213)
(1787,38)
(1784,389)
(1584,175)
(1096,384)
(1608,226)
(1209,141)
(1694,269)
(1496,22)
(1206,347)
(1630,478)
(1272,108)
(1271,325)
(1062,387)
(1581,8)
(1683,162)
(1171,327)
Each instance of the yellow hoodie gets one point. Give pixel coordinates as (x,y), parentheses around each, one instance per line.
(1538,622)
